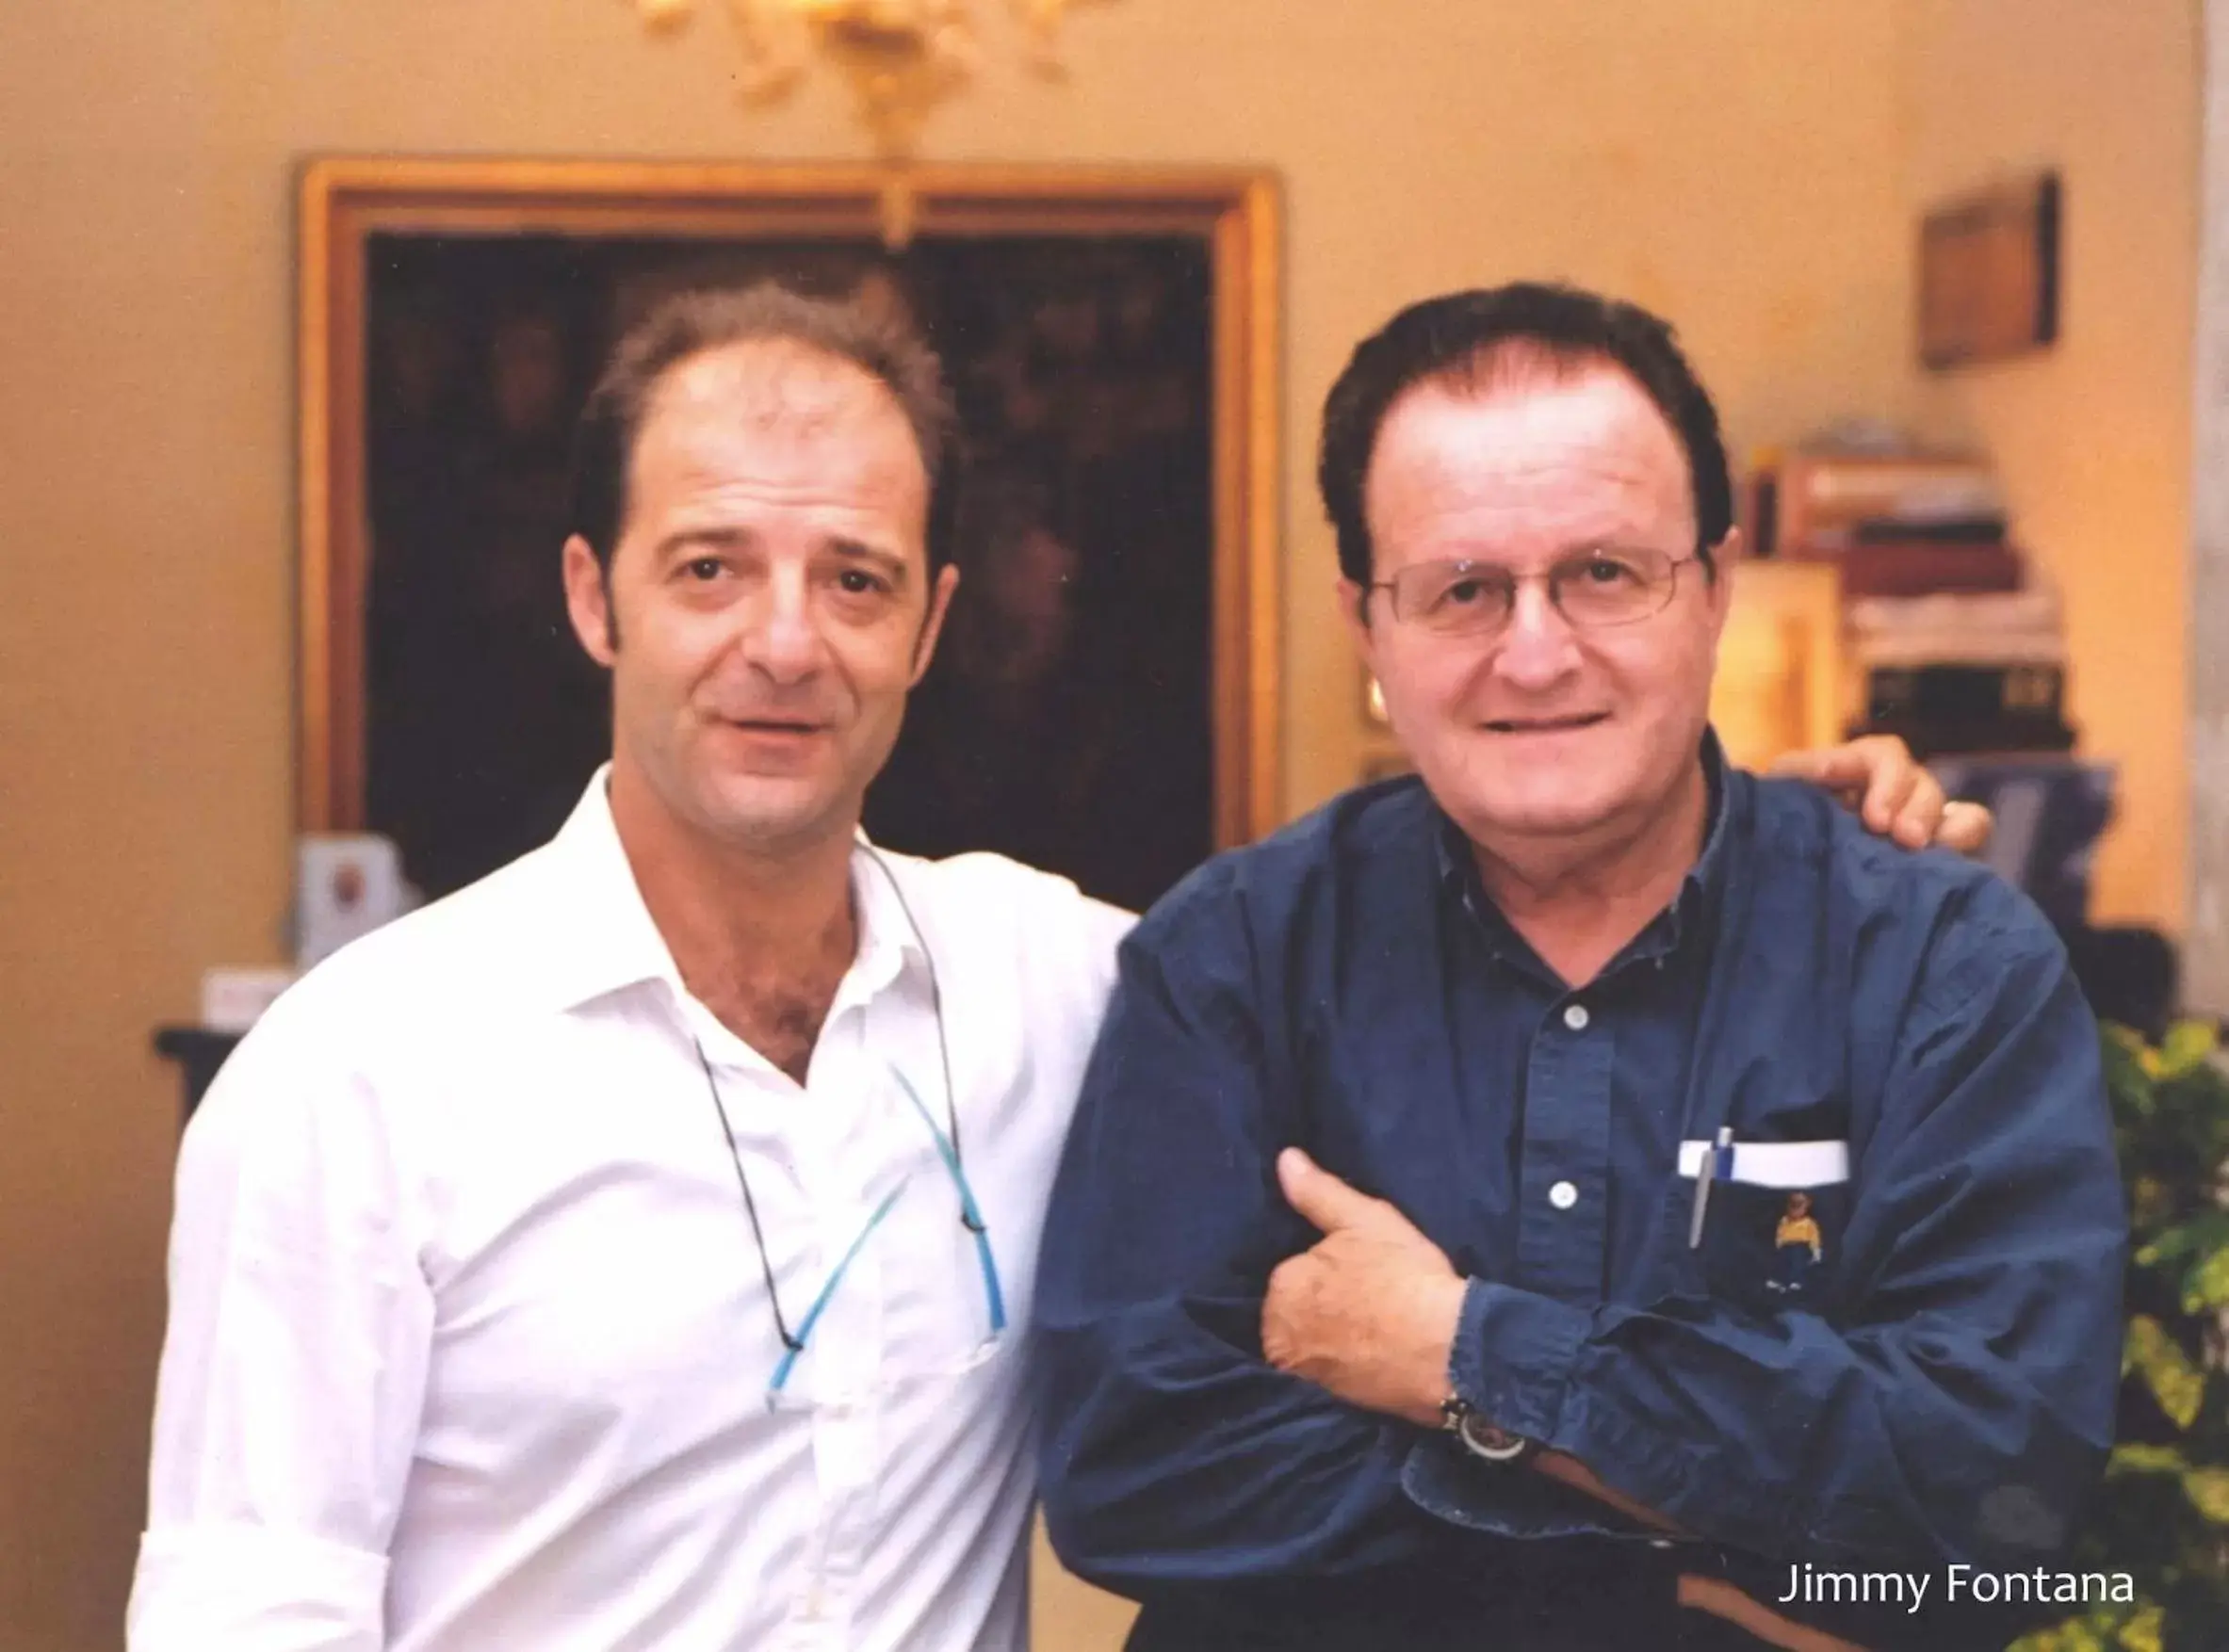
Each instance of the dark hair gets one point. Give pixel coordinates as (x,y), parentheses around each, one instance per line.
(1452,336)
(871,337)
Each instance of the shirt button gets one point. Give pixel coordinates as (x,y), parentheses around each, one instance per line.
(1563,1195)
(1576,1018)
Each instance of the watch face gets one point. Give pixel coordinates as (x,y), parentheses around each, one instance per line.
(1488,1441)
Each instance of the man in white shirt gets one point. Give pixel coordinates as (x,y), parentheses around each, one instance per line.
(634,1249)
(478,1319)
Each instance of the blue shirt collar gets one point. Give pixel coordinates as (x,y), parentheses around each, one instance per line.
(1690,914)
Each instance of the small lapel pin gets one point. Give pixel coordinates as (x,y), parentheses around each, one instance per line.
(1797,1246)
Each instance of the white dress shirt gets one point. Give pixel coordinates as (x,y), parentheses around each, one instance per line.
(470,1342)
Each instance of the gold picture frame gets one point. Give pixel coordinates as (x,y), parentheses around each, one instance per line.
(348,205)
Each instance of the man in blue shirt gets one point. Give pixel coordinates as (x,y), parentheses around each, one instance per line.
(1581,1195)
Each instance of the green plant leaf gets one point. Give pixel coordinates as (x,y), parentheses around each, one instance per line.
(2131,1629)
(2186,1045)
(2164,1509)
(2142,1633)
(2125,1039)
(2081,1634)
(2207,1285)
(2209,1492)
(2207,1232)
(2151,1202)
(2179,1385)
(2123,1054)
(2147,1460)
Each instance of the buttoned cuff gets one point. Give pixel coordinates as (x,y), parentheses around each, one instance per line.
(255,1589)
(1514,1351)
(1515,1360)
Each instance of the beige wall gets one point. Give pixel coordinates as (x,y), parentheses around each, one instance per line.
(2093,437)
(1733,162)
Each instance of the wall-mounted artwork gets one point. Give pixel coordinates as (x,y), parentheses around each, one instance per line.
(1989,274)
(1105,700)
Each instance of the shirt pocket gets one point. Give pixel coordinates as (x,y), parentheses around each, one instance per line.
(1772,1233)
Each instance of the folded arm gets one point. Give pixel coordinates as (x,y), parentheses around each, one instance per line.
(1959,1400)
(1173,1452)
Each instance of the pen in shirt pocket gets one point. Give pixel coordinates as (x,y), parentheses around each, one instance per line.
(1718,1163)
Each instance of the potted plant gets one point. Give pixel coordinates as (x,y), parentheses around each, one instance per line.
(2163,1512)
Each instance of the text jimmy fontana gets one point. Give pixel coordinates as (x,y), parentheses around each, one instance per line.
(1960,1582)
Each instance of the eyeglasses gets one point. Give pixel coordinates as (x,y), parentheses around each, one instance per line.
(946,1138)
(1591,589)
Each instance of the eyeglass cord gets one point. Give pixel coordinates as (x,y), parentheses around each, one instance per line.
(971,1217)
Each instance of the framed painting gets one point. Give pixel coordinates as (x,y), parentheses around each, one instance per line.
(1989,274)
(1105,702)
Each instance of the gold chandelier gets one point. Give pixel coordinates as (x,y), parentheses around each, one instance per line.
(903,57)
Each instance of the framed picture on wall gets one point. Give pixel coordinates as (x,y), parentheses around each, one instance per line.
(1989,274)
(1105,700)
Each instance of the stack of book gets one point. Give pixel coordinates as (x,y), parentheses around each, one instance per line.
(1956,672)
(1952,643)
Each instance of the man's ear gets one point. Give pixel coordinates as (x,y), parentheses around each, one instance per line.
(588,601)
(1725,556)
(924,648)
(1354,607)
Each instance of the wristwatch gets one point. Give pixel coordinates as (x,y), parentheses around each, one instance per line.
(1480,1438)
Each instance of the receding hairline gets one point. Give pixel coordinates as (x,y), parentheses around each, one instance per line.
(787,354)
(774,400)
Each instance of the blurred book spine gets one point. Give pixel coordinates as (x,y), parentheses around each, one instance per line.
(1918,567)
(1965,693)
(1820,495)
(1950,640)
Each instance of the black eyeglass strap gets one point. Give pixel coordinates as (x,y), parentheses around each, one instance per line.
(951,1110)
(952,1094)
(750,1205)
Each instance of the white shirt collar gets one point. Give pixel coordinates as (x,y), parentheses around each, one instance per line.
(601,937)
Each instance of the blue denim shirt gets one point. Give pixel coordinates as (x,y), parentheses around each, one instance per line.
(1933,1382)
